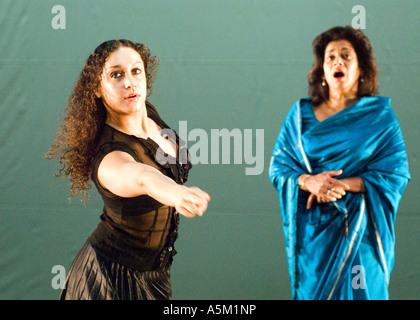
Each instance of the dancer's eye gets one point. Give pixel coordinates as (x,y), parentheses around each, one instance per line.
(117,74)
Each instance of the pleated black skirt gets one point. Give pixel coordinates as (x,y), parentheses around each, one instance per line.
(92,277)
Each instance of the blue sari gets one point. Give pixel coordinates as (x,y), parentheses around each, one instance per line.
(342,249)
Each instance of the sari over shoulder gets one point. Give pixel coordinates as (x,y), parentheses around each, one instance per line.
(328,244)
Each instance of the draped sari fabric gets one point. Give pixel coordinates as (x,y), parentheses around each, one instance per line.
(343,249)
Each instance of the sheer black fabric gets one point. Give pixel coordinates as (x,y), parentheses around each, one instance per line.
(134,242)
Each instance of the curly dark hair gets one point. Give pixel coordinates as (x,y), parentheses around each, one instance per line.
(85,115)
(364,51)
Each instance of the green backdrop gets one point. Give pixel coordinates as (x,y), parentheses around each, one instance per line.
(234,64)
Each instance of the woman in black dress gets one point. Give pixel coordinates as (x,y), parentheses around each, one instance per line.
(112,135)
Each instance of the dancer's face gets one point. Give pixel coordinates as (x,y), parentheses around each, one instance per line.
(123,87)
(341,67)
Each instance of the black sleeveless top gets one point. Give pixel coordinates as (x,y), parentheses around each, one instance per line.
(139,232)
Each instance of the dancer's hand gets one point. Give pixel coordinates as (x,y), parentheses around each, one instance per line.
(191,201)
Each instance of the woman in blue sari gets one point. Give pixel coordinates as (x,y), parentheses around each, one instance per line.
(340,167)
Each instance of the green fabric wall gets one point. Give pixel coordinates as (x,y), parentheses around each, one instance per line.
(224,64)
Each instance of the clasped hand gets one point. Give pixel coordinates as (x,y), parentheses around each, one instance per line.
(324,187)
